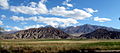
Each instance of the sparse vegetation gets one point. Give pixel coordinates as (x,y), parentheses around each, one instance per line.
(57,46)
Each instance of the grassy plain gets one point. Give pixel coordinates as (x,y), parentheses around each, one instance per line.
(58,45)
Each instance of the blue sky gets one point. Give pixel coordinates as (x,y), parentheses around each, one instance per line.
(25,14)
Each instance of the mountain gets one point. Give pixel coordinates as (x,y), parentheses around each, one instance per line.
(87,28)
(36,33)
(9,32)
(102,34)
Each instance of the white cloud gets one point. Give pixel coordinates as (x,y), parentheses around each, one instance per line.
(33,9)
(1,23)
(53,21)
(23,23)
(70,5)
(43,1)
(32,18)
(33,4)
(67,3)
(101,19)
(3,16)
(7,30)
(13,28)
(33,26)
(16,28)
(90,10)
(4,4)
(16,18)
(75,13)
(40,8)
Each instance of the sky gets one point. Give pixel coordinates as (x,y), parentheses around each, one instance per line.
(25,14)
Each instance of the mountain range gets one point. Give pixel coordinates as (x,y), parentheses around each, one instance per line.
(49,32)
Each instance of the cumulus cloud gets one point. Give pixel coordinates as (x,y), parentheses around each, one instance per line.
(33,26)
(33,4)
(16,28)
(7,29)
(3,16)
(13,28)
(90,10)
(101,19)
(1,23)
(33,9)
(40,8)
(4,4)
(43,1)
(23,23)
(32,18)
(53,21)
(16,18)
(75,13)
(67,3)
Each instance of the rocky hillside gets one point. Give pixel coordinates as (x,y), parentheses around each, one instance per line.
(87,28)
(36,33)
(102,34)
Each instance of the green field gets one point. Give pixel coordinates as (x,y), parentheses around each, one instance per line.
(58,45)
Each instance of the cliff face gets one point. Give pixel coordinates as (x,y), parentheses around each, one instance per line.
(102,34)
(36,33)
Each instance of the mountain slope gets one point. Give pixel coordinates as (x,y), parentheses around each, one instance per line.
(87,28)
(36,33)
(102,34)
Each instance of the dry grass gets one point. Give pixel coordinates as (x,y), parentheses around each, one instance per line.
(53,46)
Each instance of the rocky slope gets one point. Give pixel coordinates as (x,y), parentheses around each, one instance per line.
(36,33)
(102,34)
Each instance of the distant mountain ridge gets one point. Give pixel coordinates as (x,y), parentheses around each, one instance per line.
(102,34)
(87,28)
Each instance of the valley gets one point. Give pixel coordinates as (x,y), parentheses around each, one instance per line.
(59,26)
(85,38)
